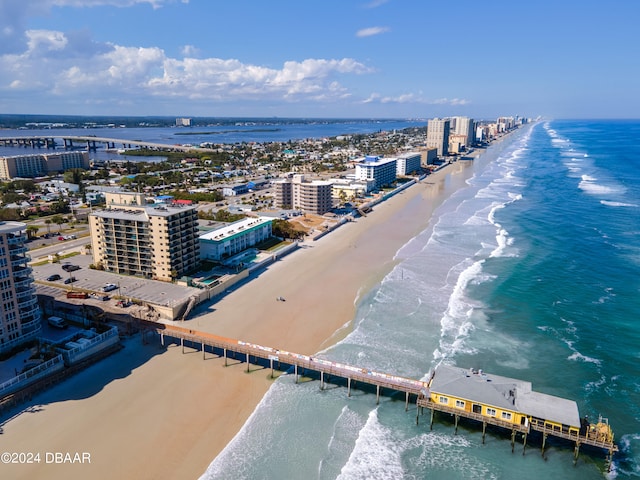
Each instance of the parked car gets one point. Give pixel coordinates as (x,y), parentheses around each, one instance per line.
(67,267)
(53,278)
(100,296)
(70,280)
(109,287)
(57,322)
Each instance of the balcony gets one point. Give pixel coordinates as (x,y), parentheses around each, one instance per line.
(22,271)
(25,293)
(19,261)
(18,250)
(16,240)
(31,310)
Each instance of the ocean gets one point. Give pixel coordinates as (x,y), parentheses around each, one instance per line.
(530,270)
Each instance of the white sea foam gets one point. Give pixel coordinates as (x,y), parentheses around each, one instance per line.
(339,441)
(618,204)
(375,455)
(577,356)
(455,325)
(590,186)
(596,385)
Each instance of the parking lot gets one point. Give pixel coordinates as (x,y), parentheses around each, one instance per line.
(148,291)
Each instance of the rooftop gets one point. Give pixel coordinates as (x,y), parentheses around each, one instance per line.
(235,228)
(503,392)
(139,213)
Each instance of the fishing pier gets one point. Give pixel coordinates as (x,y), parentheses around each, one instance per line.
(473,395)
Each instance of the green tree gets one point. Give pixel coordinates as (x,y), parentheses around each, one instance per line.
(32,230)
(284,229)
(58,220)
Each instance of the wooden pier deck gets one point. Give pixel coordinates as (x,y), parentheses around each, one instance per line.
(419,390)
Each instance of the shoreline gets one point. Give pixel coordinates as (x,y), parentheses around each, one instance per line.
(173,402)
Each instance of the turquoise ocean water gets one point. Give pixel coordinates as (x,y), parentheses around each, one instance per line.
(530,270)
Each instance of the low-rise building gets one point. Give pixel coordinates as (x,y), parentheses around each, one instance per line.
(235,190)
(408,163)
(231,239)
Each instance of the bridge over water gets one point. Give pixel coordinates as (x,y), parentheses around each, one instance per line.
(91,142)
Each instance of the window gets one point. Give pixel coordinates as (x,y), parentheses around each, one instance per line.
(491,412)
(444,400)
(506,416)
(459,404)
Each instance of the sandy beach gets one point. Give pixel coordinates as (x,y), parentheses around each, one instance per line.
(151,412)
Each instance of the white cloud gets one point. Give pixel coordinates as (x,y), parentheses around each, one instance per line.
(14,15)
(450,101)
(190,51)
(54,64)
(371,31)
(413,98)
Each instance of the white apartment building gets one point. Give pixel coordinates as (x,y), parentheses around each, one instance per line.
(38,165)
(231,239)
(408,163)
(381,170)
(300,194)
(465,130)
(19,310)
(438,135)
(158,242)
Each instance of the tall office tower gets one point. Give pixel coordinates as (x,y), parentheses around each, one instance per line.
(19,310)
(438,135)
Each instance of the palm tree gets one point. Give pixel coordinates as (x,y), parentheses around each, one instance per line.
(58,220)
(32,230)
(48,223)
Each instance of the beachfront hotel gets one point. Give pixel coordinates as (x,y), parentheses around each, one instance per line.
(19,311)
(300,194)
(131,237)
(408,163)
(438,135)
(464,128)
(38,165)
(382,171)
(226,241)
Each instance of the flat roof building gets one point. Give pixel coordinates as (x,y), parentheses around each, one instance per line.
(231,239)
(408,163)
(19,310)
(438,135)
(299,194)
(39,165)
(465,128)
(157,242)
(381,170)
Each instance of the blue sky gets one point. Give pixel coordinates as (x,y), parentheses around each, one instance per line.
(321,58)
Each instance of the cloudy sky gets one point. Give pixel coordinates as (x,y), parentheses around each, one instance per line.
(321,58)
